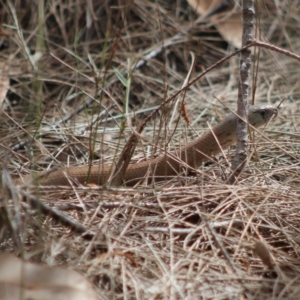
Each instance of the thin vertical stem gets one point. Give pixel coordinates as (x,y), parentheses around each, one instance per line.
(240,158)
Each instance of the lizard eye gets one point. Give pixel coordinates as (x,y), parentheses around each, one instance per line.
(263,113)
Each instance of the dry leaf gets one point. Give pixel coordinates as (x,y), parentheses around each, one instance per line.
(228,23)
(262,251)
(24,280)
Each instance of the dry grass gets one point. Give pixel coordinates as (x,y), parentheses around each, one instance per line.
(190,238)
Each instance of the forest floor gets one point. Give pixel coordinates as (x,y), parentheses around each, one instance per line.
(78,77)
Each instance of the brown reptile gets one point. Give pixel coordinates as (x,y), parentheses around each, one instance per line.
(165,165)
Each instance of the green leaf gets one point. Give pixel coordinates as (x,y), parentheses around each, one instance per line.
(121,77)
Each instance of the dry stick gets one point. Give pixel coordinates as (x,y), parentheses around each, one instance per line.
(254,42)
(194,230)
(240,157)
(59,217)
(222,248)
(110,205)
(45,210)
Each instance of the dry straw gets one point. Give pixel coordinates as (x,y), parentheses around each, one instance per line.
(191,237)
